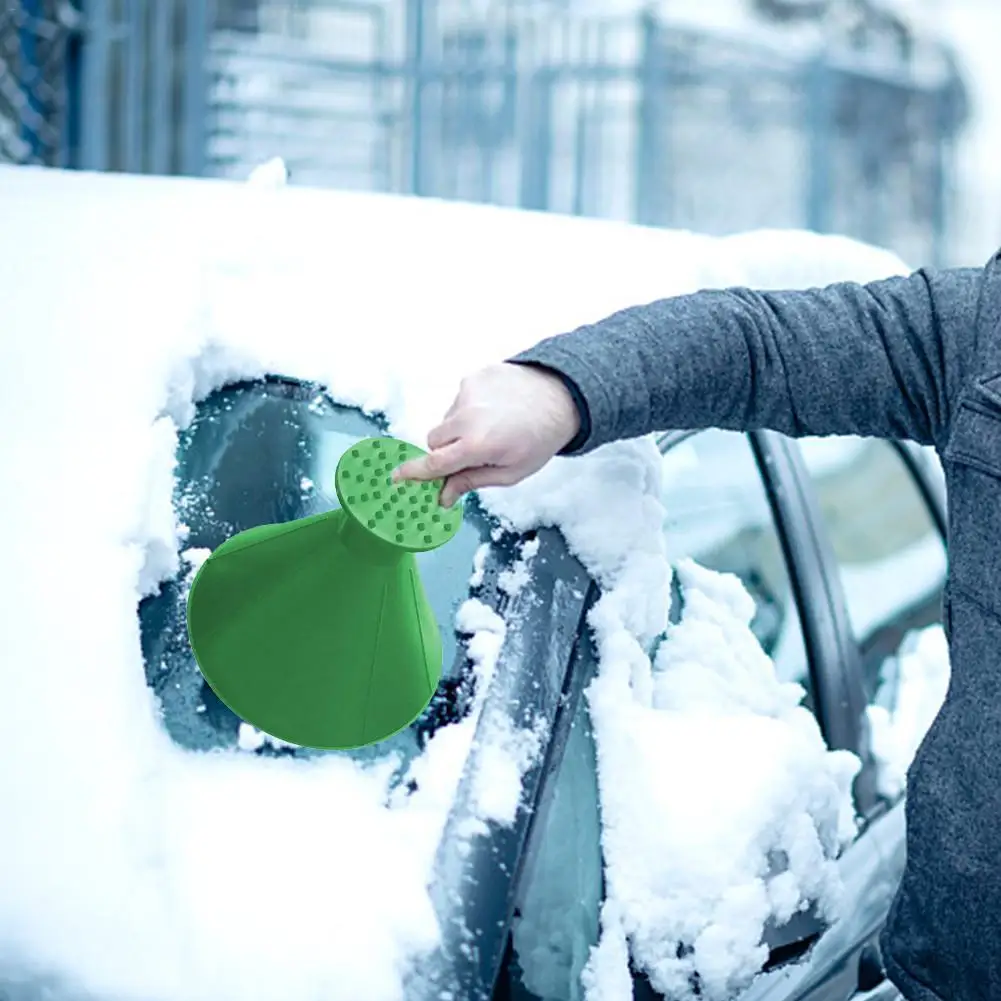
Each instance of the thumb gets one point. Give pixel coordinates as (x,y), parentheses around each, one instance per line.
(436,464)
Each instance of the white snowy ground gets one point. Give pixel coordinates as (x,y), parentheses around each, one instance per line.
(131,869)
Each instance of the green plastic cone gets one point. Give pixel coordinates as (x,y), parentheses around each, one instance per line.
(318,631)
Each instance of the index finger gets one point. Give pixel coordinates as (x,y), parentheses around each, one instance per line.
(437,464)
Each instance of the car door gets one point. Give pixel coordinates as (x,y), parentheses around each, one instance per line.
(730,508)
(743,505)
(877,511)
(720,512)
(879,515)
(874,514)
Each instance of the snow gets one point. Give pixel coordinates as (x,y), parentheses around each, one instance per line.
(479,565)
(606,976)
(516,577)
(497,786)
(914,684)
(686,864)
(438,770)
(144,871)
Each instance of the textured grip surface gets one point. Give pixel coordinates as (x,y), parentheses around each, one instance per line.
(406,515)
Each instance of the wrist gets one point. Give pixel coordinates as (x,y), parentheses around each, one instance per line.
(572,410)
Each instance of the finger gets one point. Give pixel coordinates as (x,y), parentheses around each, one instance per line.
(436,464)
(475,479)
(456,403)
(444,434)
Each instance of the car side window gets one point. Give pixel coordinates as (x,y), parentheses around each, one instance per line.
(718,514)
(891,559)
(890,555)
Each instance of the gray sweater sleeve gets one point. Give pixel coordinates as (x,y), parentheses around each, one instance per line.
(881,360)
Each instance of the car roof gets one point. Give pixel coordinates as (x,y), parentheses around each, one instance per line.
(446,260)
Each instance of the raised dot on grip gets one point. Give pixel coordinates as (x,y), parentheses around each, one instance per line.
(382,456)
(366,462)
(376,443)
(428,540)
(355,452)
(425,508)
(379,515)
(413,498)
(386,506)
(351,499)
(415,514)
(448,526)
(345,474)
(364,498)
(377,494)
(371,522)
(399,538)
(436,517)
(401,525)
(360,478)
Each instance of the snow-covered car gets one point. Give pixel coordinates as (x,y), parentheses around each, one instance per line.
(684,675)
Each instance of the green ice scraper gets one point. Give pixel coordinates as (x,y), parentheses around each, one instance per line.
(318,631)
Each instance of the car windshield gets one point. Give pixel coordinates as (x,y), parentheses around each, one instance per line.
(259,453)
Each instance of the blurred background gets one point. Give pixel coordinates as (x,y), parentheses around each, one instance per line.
(872,118)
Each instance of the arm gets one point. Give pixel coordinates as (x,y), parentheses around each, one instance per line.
(884,360)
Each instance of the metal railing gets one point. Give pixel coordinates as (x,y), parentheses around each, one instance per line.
(619,117)
(626,117)
(36,61)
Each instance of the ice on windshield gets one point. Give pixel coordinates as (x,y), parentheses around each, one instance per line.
(258,453)
(191,875)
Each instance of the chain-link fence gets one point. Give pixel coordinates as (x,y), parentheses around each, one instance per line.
(625,116)
(38,47)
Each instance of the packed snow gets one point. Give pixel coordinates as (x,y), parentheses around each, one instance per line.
(144,871)
(913,688)
(684,863)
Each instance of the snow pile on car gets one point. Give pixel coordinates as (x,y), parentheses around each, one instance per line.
(134,869)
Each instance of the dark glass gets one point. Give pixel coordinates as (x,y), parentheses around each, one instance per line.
(260,453)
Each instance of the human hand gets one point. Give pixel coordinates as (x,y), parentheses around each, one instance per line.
(506,423)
